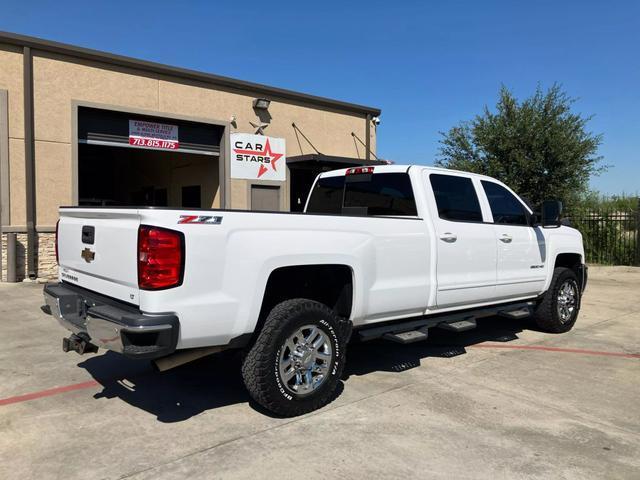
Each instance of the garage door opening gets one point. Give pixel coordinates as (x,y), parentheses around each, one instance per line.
(115,176)
(113,170)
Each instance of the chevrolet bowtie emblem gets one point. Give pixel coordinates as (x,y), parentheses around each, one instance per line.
(88,255)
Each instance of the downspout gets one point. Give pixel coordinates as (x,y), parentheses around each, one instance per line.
(367,139)
(4,168)
(29,163)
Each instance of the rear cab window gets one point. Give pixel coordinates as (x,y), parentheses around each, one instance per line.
(326,196)
(376,194)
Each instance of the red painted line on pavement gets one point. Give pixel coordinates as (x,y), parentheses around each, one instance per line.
(557,349)
(47,393)
(92,383)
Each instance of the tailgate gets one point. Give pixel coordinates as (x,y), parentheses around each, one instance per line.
(97,250)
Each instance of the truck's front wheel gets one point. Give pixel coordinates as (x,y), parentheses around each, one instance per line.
(295,364)
(558,310)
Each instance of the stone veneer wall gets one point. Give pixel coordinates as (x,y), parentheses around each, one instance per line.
(46,258)
(47,266)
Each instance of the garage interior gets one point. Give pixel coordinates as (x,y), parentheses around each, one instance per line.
(113,173)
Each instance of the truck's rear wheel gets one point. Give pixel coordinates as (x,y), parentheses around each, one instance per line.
(558,310)
(295,364)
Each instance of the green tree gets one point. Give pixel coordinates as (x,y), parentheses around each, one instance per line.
(538,146)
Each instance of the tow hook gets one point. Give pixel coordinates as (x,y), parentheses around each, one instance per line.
(78,344)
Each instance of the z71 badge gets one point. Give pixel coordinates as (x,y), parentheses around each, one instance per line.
(200,219)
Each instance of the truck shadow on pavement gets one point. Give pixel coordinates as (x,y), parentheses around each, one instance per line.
(209,383)
(172,396)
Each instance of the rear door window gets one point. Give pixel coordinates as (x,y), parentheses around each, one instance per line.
(456,198)
(505,207)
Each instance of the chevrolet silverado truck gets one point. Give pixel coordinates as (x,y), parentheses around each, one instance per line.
(379,252)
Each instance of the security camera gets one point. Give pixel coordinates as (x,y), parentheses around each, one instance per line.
(376,120)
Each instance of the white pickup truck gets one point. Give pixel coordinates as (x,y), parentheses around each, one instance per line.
(380,252)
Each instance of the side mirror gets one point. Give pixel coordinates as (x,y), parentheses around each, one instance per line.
(551,212)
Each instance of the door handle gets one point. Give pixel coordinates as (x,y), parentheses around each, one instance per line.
(449,237)
(506,238)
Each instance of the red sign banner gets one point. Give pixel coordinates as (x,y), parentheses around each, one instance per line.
(153,135)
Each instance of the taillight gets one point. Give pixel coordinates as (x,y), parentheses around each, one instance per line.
(57,255)
(160,258)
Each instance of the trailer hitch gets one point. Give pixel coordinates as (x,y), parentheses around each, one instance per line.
(79,344)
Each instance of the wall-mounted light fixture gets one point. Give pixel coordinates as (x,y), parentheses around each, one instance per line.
(261,103)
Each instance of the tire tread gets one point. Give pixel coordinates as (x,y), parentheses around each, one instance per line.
(545,314)
(257,367)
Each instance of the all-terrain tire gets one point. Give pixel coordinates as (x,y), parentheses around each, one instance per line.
(260,366)
(547,315)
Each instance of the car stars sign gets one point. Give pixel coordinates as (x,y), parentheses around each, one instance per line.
(256,157)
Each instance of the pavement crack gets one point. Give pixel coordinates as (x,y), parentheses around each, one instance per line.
(210,447)
(295,420)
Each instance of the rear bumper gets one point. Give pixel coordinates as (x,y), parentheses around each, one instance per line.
(111,324)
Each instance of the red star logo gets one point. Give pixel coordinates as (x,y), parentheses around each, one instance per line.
(267,152)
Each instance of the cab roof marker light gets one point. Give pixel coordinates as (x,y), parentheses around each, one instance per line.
(359,170)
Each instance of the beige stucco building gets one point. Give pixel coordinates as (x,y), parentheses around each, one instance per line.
(66,138)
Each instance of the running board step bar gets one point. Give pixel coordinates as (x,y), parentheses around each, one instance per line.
(403,331)
(461,326)
(516,314)
(410,336)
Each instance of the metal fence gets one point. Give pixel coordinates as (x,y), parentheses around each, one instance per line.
(611,234)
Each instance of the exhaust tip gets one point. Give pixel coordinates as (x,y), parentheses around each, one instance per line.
(184,356)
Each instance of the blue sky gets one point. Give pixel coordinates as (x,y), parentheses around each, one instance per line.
(427,65)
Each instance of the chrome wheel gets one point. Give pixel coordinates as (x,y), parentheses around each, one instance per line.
(305,359)
(567,300)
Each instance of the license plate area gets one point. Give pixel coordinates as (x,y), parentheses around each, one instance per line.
(104,334)
(68,309)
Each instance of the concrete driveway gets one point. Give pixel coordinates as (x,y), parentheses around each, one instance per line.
(502,401)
